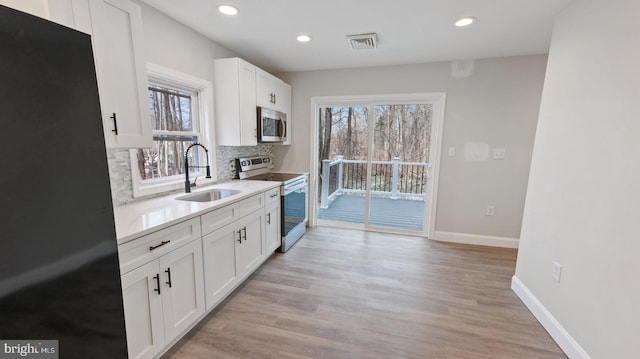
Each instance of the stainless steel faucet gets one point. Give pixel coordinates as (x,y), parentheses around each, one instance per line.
(187,183)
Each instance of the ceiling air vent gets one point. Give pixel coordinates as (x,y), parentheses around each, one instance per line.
(362,41)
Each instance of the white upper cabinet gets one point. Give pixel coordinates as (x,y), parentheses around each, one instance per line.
(240,88)
(235,94)
(273,93)
(118,47)
(268,90)
(122,77)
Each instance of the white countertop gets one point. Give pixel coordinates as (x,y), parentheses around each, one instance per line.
(139,218)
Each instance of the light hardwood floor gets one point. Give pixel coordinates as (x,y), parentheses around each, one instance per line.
(350,294)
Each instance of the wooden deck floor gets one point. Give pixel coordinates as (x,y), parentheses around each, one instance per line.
(351,294)
(385,212)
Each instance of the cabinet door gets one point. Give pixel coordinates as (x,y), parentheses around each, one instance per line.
(143,311)
(249,250)
(267,89)
(248,112)
(121,71)
(235,97)
(182,288)
(219,252)
(272,227)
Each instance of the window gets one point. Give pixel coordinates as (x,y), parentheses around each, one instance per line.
(179,105)
(174,122)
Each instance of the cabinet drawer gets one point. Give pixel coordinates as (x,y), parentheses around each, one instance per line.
(272,195)
(218,218)
(251,204)
(147,248)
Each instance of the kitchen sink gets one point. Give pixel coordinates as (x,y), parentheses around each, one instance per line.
(208,196)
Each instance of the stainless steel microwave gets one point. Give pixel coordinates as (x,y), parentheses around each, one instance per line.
(272,125)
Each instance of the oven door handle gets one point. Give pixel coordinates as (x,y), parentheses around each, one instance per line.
(288,190)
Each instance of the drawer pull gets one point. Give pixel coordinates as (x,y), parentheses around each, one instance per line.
(159,245)
(274,195)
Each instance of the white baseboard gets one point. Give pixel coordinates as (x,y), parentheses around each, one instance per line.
(566,342)
(476,239)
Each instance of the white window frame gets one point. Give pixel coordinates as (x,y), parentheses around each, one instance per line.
(162,75)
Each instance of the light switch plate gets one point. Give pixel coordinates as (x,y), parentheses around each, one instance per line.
(452,151)
(557,271)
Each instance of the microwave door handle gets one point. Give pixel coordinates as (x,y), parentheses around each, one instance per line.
(283,123)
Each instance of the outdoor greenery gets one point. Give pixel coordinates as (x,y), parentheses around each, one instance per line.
(399,131)
(174,130)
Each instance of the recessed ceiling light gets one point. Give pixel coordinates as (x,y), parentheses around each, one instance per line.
(228,10)
(465,21)
(303,38)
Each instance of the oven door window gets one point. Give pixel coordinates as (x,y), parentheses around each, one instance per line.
(294,208)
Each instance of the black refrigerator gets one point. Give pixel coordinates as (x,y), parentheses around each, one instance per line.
(59,271)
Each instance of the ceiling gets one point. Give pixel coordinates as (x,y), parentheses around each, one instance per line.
(409,31)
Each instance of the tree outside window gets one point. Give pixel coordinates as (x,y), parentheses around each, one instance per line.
(175,126)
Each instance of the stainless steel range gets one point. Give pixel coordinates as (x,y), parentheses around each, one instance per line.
(294,190)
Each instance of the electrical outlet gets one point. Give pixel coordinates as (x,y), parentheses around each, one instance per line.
(491,210)
(452,151)
(557,271)
(499,153)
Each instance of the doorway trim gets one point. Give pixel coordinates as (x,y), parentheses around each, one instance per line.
(437,129)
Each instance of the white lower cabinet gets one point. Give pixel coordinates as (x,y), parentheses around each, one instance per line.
(143,311)
(272,221)
(173,276)
(162,299)
(231,253)
(183,288)
(219,249)
(249,246)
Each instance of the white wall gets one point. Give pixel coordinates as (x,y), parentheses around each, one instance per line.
(173,45)
(498,104)
(583,201)
(33,7)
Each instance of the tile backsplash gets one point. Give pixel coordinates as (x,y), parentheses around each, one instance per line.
(120,169)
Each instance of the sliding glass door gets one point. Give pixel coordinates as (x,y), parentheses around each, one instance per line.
(399,166)
(374,163)
(343,158)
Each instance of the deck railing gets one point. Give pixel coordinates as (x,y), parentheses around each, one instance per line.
(392,179)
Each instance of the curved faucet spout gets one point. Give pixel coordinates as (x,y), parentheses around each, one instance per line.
(187,183)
